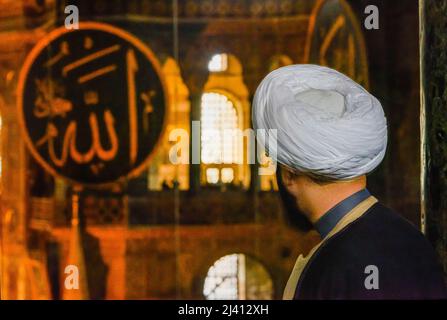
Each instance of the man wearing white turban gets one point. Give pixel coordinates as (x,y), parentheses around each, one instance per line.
(330,133)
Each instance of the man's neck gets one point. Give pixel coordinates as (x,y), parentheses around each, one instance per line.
(325,197)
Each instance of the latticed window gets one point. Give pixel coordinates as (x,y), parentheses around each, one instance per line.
(222,281)
(237,277)
(220,142)
(218,63)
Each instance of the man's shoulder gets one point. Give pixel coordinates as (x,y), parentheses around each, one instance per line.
(381,225)
(379,232)
(382,240)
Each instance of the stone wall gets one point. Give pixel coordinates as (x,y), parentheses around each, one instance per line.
(434,116)
(393,58)
(165,262)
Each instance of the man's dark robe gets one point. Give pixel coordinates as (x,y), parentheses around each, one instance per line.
(406,263)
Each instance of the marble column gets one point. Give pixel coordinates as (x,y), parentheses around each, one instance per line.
(433,39)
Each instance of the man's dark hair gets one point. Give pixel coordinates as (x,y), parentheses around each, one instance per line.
(293,215)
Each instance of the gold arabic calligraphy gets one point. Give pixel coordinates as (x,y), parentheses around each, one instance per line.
(50,103)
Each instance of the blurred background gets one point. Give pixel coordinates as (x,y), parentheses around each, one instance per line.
(196,231)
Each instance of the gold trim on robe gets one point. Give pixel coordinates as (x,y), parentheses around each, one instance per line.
(301,262)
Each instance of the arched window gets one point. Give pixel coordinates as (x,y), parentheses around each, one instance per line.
(218,63)
(220,146)
(225,118)
(237,277)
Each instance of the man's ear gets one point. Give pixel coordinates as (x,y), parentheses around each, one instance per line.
(287,176)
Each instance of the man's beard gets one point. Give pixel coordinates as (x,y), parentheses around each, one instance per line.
(293,214)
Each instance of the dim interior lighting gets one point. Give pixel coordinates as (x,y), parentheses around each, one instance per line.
(212,175)
(218,63)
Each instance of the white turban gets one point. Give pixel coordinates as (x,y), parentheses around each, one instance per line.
(328,126)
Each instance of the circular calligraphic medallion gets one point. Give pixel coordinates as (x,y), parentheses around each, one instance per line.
(335,40)
(92,103)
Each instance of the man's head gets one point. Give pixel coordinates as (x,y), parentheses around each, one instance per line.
(314,196)
(330,131)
